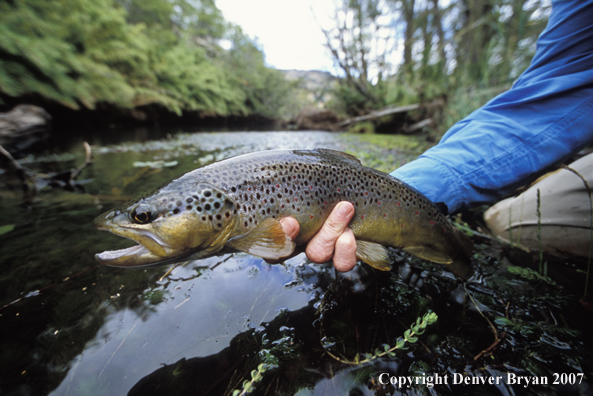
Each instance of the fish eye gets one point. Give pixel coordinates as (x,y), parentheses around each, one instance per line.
(141,214)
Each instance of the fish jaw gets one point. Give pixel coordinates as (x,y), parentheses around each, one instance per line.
(149,251)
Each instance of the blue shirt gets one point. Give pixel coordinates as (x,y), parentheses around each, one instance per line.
(544,118)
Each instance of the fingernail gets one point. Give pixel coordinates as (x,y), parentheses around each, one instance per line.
(344,209)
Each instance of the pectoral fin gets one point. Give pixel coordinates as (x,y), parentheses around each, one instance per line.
(373,254)
(267,240)
(429,254)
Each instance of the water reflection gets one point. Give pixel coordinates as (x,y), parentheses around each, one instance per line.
(191,316)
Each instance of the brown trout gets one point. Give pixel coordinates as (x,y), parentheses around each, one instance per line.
(235,204)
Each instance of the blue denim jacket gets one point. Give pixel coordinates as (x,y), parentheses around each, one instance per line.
(544,118)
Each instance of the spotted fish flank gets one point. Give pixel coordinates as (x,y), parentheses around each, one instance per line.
(235,205)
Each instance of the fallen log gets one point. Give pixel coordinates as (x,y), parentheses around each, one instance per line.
(379,113)
(419,125)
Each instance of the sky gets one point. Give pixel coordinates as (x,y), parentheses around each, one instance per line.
(288,30)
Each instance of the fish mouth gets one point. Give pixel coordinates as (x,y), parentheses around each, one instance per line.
(148,252)
(110,256)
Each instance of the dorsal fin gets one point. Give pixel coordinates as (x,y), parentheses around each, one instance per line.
(334,154)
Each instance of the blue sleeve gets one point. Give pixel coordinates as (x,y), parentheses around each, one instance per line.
(544,118)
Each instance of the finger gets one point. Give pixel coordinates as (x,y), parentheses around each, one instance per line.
(345,253)
(291,227)
(321,248)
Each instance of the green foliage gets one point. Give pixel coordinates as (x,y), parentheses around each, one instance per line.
(362,127)
(410,337)
(71,51)
(528,273)
(133,52)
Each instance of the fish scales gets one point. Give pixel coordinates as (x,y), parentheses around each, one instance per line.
(237,198)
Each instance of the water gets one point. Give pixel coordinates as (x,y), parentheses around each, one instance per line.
(72,327)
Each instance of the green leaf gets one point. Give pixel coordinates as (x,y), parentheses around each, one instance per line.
(5,229)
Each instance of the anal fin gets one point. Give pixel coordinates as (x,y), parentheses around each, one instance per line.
(373,254)
(267,240)
(429,254)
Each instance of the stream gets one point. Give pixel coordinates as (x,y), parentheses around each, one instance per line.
(73,327)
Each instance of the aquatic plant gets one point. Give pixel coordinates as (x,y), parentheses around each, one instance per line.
(248,385)
(410,337)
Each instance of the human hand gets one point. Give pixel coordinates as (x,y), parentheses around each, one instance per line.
(334,239)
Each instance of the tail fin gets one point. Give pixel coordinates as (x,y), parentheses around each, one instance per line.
(461,265)
(466,246)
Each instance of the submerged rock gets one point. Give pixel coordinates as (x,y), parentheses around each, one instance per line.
(22,126)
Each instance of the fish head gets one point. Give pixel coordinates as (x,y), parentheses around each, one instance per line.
(174,223)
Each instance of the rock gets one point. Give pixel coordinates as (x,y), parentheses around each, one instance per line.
(22,126)
(314,118)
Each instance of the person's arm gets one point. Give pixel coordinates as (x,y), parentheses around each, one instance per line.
(544,118)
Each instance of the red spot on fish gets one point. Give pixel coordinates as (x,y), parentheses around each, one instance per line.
(310,187)
(378,202)
(277,185)
(249,189)
(295,200)
(366,193)
(362,217)
(294,177)
(384,214)
(338,189)
(432,222)
(403,226)
(311,216)
(325,202)
(398,204)
(417,213)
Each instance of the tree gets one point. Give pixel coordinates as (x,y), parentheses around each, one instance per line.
(130,53)
(361,45)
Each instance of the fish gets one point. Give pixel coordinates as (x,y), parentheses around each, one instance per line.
(234,205)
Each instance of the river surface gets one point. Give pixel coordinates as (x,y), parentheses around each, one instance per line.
(72,327)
